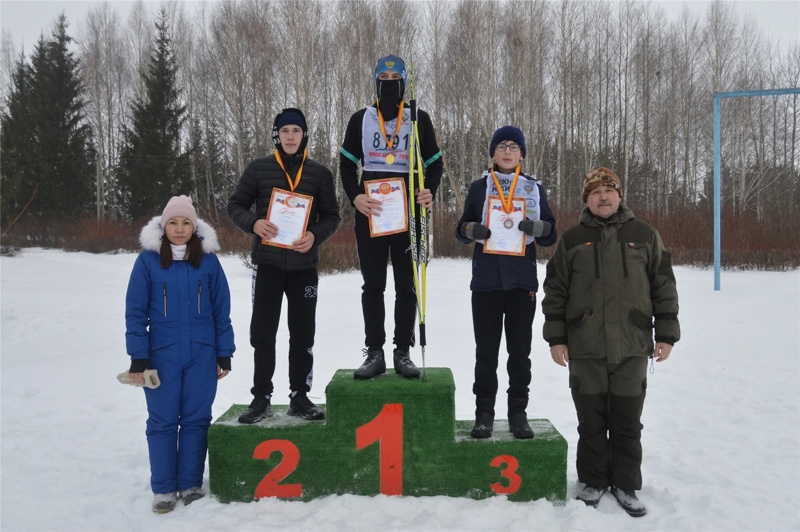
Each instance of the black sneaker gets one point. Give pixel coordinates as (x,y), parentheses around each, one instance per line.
(259,409)
(629,502)
(301,406)
(518,425)
(403,365)
(591,495)
(484,424)
(372,366)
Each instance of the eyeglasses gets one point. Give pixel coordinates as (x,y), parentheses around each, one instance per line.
(510,147)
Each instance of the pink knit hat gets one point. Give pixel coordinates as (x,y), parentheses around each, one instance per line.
(179,206)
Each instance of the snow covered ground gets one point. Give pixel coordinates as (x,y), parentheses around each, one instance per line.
(722,416)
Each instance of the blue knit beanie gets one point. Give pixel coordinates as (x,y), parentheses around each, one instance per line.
(514,134)
(291,117)
(391,63)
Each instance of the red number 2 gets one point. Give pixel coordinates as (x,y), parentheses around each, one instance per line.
(270,485)
(509,472)
(386,427)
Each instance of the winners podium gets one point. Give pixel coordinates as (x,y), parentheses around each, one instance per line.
(386,435)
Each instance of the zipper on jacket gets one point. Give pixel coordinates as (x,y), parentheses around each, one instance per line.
(165,299)
(596,262)
(199,293)
(624,260)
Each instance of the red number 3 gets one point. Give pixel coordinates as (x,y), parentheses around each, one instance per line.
(509,472)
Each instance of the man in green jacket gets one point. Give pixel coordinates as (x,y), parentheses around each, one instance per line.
(608,292)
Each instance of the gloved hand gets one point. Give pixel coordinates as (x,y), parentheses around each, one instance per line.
(536,228)
(151,379)
(475,231)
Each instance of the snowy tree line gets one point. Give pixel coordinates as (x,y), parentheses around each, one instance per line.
(590,83)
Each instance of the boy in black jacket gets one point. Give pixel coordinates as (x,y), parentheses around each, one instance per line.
(504,281)
(291,269)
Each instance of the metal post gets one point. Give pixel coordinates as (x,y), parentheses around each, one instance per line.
(717,202)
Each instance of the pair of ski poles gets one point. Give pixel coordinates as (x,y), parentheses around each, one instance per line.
(419,245)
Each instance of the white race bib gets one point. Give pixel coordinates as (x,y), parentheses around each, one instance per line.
(526,188)
(377,155)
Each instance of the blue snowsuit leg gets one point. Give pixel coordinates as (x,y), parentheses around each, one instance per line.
(179,416)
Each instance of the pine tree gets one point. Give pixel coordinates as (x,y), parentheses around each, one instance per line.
(152,167)
(16,143)
(47,143)
(209,154)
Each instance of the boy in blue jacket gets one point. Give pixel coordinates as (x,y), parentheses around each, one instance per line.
(504,281)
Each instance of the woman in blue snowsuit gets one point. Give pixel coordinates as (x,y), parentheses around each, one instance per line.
(177,318)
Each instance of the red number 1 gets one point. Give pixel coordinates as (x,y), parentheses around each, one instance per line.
(386,427)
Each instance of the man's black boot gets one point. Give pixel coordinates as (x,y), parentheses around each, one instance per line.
(403,365)
(372,366)
(518,418)
(484,418)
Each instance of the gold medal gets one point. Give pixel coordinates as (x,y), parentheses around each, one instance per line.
(390,141)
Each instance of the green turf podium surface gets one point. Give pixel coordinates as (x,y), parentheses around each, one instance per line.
(386,435)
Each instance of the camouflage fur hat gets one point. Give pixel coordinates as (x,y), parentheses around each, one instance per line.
(598,177)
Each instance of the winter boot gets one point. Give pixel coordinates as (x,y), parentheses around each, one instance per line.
(629,502)
(372,366)
(191,495)
(301,406)
(590,495)
(259,409)
(164,502)
(484,418)
(403,365)
(518,418)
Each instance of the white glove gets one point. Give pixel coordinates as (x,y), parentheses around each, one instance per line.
(151,379)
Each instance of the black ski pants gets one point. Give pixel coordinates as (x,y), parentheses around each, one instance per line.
(373,258)
(492,313)
(269,286)
(609,399)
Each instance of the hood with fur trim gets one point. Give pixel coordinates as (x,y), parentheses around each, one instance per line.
(150,237)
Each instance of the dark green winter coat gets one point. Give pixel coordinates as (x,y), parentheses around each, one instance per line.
(609,284)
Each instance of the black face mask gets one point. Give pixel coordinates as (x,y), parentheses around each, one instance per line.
(390,93)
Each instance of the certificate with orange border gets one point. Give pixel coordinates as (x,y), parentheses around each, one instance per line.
(392,195)
(506,237)
(289,211)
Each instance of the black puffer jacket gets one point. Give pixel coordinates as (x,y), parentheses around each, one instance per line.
(255,187)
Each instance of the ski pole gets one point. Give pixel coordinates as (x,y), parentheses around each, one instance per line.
(419,254)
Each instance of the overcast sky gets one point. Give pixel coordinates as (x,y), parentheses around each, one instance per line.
(27,19)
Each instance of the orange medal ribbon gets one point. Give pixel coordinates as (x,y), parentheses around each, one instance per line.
(390,145)
(507,202)
(292,185)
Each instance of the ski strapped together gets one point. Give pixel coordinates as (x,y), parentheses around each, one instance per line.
(419,241)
